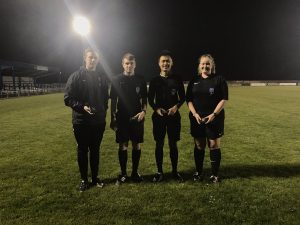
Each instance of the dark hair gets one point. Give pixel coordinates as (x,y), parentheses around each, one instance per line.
(165,53)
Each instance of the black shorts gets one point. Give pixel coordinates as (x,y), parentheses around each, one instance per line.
(212,130)
(129,130)
(166,124)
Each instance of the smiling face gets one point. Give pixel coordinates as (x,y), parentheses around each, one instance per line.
(206,65)
(165,63)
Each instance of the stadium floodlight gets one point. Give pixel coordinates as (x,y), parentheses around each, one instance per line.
(81,25)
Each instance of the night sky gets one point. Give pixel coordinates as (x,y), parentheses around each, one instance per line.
(250,40)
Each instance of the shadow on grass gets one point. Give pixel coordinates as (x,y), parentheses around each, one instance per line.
(148,178)
(245,171)
(232,172)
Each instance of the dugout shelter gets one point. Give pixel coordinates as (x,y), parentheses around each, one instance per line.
(18,79)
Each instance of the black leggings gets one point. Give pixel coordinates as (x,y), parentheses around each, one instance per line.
(88,140)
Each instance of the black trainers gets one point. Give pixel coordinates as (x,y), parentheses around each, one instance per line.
(136,177)
(98,183)
(214,179)
(176,176)
(197,177)
(84,185)
(158,177)
(121,179)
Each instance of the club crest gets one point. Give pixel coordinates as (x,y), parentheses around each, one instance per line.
(137,89)
(173,91)
(211,91)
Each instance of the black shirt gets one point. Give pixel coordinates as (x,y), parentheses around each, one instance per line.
(165,92)
(128,91)
(206,93)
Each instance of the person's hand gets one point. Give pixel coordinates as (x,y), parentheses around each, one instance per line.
(197,117)
(161,111)
(88,109)
(140,116)
(113,124)
(171,111)
(209,118)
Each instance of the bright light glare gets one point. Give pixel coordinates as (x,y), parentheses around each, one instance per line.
(81,25)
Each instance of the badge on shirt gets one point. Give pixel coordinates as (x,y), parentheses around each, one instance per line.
(211,91)
(173,91)
(137,90)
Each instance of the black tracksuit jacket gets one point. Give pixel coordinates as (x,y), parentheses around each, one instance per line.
(87,88)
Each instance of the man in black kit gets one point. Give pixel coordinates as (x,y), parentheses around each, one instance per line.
(166,95)
(206,96)
(128,109)
(87,94)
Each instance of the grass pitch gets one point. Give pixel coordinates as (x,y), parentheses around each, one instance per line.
(260,168)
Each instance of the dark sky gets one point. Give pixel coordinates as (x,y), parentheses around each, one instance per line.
(249,39)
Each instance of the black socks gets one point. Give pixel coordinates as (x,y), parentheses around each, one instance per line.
(173,155)
(123,161)
(199,158)
(123,157)
(136,155)
(159,154)
(215,159)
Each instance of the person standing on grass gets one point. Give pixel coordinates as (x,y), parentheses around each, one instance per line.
(128,109)
(166,95)
(206,96)
(87,94)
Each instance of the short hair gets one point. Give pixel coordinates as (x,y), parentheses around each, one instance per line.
(86,51)
(128,56)
(213,66)
(165,53)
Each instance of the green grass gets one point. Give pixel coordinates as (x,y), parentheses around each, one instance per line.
(260,166)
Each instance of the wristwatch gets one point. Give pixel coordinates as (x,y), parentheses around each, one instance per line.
(215,114)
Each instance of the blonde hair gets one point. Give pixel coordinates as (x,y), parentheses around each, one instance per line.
(213,65)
